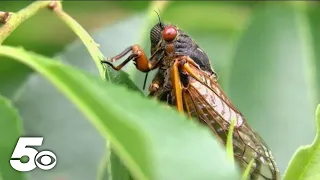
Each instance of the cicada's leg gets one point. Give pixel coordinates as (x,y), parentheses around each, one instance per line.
(190,61)
(154,86)
(120,66)
(177,86)
(156,83)
(181,62)
(185,66)
(138,56)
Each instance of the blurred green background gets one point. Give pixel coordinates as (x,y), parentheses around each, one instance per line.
(265,53)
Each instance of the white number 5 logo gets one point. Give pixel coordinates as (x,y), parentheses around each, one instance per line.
(44,160)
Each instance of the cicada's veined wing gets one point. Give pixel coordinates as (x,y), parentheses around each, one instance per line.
(209,104)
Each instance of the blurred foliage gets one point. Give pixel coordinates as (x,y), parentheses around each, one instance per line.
(270,72)
(265,53)
(10,129)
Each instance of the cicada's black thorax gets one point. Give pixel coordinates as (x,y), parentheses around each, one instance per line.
(184,45)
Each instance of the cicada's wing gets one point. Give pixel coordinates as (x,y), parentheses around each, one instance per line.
(209,104)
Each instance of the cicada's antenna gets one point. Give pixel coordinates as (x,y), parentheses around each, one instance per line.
(162,26)
(160,22)
(159,18)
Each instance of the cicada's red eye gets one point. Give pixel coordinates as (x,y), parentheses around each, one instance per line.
(169,33)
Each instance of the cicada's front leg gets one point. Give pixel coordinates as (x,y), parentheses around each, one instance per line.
(138,57)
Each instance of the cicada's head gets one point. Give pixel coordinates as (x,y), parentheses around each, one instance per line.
(161,34)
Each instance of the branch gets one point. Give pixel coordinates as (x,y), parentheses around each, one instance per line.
(15,19)
(4,16)
(84,36)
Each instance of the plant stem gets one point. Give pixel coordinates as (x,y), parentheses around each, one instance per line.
(15,19)
(4,17)
(84,36)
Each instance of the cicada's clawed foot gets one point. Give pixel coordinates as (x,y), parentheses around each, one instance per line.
(154,87)
(108,63)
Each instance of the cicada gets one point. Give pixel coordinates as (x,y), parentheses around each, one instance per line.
(186,80)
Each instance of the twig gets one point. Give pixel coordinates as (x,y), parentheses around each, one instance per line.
(87,40)
(17,18)
(4,17)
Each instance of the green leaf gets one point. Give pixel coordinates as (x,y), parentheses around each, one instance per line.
(305,163)
(12,75)
(119,171)
(269,79)
(10,131)
(153,141)
(112,162)
(120,77)
(112,167)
